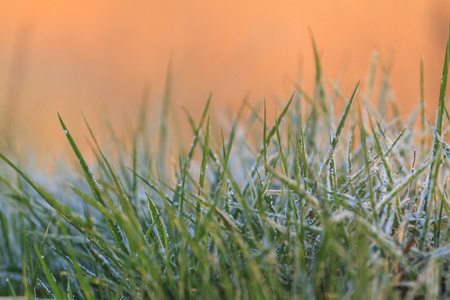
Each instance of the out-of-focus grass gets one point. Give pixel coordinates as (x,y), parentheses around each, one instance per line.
(307,210)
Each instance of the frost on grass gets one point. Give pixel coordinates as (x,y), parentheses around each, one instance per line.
(261,211)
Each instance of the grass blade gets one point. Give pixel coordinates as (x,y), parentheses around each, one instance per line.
(114,227)
(336,136)
(160,228)
(204,162)
(439,121)
(51,280)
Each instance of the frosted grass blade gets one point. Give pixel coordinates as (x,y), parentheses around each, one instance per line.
(114,227)
(336,136)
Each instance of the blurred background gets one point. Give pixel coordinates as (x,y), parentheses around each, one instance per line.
(98,56)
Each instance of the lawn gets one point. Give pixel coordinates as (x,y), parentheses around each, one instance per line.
(338,198)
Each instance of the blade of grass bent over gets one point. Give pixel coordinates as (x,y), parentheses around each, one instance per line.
(63,210)
(371,161)
(401,186)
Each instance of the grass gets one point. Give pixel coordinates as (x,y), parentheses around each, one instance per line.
(305,211)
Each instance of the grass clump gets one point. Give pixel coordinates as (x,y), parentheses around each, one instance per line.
(304,211)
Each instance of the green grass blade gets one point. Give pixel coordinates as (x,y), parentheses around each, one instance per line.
(87,173)
(268,138)
(387,168)
(125,203)
(163,136)
(114,227)
(160,228)
(402,185)
(336,136)
(11,288)
(69,290)
(280,149)
(265,141)
(303,156)
(182,179)
(319,90)
(85,287)
(439,121)
(63,210)
(48,274)
(204,163)
(105,212)
(422,108)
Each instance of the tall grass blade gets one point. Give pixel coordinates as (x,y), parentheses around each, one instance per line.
(336,136)
(114,227)
(204,164)
(163,137)
(439,121)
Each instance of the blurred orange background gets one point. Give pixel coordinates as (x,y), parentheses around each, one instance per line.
(98,56)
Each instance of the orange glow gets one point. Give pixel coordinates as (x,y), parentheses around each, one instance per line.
(98,56)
